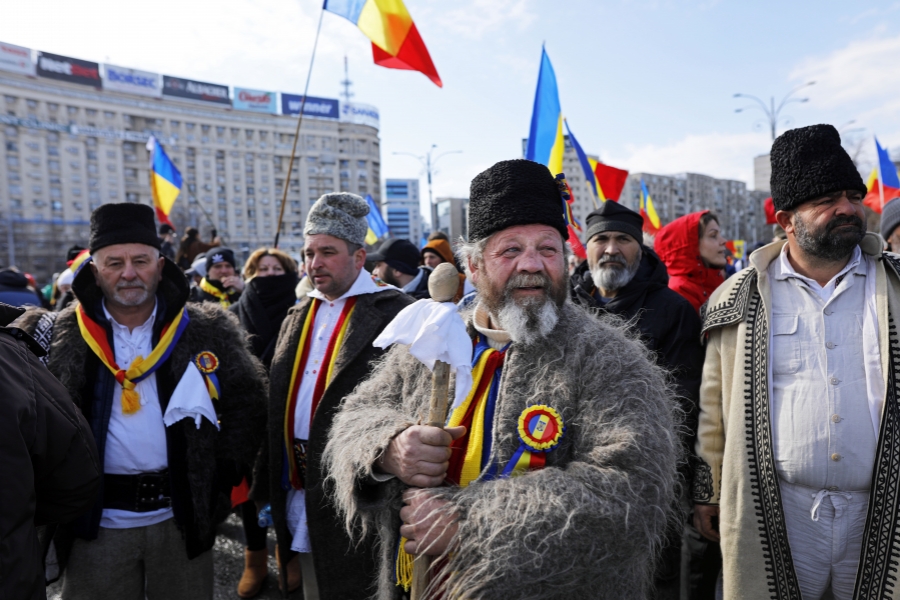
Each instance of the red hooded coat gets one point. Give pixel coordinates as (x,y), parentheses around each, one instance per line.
(678,244)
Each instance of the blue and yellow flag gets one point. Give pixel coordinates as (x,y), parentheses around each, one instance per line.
(377,227)
(165,181)
(648,211)
(587,165)
(545,139)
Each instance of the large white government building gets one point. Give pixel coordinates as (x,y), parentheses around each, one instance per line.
(73,136)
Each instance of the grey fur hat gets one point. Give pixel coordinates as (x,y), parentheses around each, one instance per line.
(342,215)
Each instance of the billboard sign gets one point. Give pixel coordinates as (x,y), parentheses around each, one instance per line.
(64,68)
(131,81)
(323,108)
(195,90)
(361,114)
(254,100)
(16,59)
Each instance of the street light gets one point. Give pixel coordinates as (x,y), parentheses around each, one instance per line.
(429,162)
(770,111)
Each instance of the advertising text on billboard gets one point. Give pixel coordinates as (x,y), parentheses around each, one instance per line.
(64,68)
(195,90)
(254,100)
(131,81)
(16,59)
(324,108)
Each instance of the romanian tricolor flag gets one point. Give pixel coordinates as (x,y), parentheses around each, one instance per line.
(651,219)
(165,181)
(545,138)
(396,43)
(883,184)
(377,227)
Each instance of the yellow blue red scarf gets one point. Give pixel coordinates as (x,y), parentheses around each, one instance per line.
(141,368)
(324,377)
(223,297)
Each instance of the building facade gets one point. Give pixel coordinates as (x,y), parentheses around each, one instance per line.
(452,218)
(740,212)
(401,209)
(68,147)
(762,172)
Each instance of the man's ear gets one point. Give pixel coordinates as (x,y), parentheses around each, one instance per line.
(474,270)
(785,219)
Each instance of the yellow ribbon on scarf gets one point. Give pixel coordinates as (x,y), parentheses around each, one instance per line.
(212,290)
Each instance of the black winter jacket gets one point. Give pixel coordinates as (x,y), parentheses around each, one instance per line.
(667,323)
(48,461)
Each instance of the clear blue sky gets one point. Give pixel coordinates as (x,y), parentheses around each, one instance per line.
(646,84)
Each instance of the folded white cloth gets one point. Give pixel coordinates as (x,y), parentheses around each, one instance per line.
(434,331)
(191,400)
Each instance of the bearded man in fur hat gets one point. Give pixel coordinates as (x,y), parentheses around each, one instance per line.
(799,408)
(560,464)
(174,399)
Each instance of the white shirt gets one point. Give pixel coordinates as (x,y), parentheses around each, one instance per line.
(825,375)
(327,315)
(134,443)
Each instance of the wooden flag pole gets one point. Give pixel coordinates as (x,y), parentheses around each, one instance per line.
(442,285)
(287,179)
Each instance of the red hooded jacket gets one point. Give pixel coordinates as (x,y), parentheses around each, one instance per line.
(678,244)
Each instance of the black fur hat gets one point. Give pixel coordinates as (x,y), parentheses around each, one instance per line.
(810,162)
(125,223)
(514,192)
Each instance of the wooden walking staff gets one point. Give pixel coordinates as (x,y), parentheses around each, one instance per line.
(442,285)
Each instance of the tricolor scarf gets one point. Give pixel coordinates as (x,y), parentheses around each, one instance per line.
(223,297)
(471,453)
(324,377)
(141,368)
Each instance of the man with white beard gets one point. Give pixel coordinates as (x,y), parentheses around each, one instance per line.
(625,278)
(552,387)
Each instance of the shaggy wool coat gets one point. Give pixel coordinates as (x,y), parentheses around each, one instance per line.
(344,571)
(735,446)
(587,525)
(202,462)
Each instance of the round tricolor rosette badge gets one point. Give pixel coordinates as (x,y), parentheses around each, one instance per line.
(540,428)
(207,362)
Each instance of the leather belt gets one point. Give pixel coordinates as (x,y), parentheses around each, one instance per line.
(143,492)
(300,449)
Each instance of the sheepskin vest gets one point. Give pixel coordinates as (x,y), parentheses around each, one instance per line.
(587,525)
(736,464)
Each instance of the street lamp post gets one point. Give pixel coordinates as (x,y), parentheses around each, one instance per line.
(770,110)
(429,162)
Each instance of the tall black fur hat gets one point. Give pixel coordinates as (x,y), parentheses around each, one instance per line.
(810,162)
(124,223)
(514,192)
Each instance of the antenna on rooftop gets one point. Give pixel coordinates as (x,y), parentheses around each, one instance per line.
(346,94)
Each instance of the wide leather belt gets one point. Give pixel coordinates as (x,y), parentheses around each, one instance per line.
(143,492)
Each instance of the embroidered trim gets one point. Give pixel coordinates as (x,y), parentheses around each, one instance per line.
(734,307)
(43,334)
(764,488)
(702,490)
(878,564)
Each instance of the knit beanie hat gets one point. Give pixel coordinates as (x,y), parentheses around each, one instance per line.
(890,218)
(810,162)
(219,255)
(399,254)
(342,215)
(612,216)
(514,192)
(125,223)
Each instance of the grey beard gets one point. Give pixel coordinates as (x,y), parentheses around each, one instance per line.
(612,279)
(825,244)
(529,322)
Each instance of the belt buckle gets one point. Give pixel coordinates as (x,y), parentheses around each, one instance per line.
(301,448)
(149,493)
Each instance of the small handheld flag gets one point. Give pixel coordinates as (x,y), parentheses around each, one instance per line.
(648,211)
(165,181)
(377,227)
(396,43)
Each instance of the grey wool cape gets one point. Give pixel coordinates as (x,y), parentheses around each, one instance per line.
(587,525)
(202,462)
(344,570)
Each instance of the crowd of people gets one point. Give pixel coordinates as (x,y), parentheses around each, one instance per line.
(641,424)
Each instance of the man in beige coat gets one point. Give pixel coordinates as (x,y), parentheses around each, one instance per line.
(798,469)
